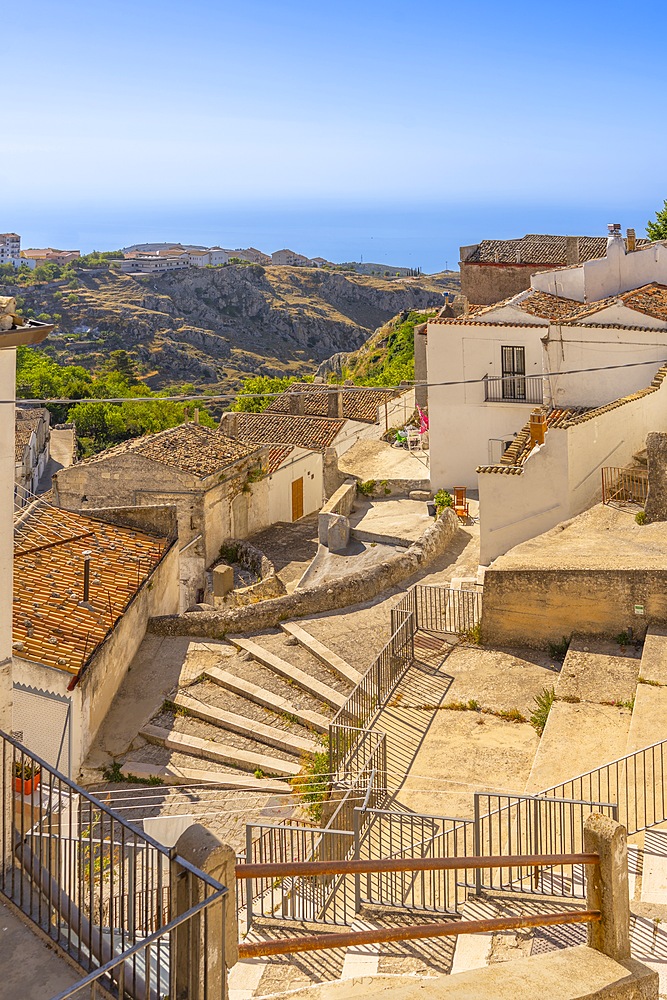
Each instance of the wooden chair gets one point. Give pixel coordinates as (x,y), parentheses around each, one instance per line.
(460,502)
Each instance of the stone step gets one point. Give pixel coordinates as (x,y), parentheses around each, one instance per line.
(219,752)
(598,670)
(291,673)
(322,652)
(654,872)
(252,730)
(472,951)
(267,699)
(172,775)
(654,655)
(571,744)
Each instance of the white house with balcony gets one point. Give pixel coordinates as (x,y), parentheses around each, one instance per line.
(580,336)
(578,340)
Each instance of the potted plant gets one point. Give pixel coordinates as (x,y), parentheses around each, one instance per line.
(26,776)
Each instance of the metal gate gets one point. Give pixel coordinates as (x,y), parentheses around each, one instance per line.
(443,609)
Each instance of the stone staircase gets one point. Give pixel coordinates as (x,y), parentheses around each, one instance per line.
(247,714)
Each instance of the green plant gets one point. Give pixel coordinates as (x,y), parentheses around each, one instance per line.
(510,715)
(114,773)
(366,489)
(473,634)
(558,650)
(442,499)
(646,680)
(543,702)
(455,706)
(26,769)
(254,475)
(259,773)
(640,517)
(313,783)
(473,705)
(229,552)
(623,639)
(384,486)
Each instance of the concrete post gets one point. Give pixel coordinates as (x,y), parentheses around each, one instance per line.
(607,886)
(199,942)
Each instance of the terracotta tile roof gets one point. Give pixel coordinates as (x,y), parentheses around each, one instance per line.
(277,456)
(22,434)
(189,447)
(539,249)
(650,299)
(50,624)
(359,403)
(313,433)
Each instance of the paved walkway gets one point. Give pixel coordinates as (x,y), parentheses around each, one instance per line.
(29,968)
(61,450)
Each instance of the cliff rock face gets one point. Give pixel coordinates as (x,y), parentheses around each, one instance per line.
(211,325)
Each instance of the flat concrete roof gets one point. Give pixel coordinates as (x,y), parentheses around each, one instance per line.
(604,537)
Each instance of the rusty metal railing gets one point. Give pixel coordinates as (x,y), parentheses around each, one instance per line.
(624,485)
(320,942)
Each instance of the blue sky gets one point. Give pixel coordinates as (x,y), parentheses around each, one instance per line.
(454,121)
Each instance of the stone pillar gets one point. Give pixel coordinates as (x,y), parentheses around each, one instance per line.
(296,402)
(335,403)
(607,886)
(200,942)
(656,455)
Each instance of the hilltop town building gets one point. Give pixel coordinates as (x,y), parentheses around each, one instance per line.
(197,469)
(32,439)
(327,420)
(10,248)
(290,258)
(33,258)
(495,269)
(580,347)
(84,589)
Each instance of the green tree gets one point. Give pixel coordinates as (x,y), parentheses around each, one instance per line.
(259,392)
(657,230)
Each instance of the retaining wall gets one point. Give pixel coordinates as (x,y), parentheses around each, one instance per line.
(353,589)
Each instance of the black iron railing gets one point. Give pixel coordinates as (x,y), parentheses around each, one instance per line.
(514,389)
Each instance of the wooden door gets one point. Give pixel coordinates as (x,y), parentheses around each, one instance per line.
(297,499)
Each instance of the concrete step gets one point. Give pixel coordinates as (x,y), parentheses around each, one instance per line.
(291,673)
(172,775)
(654,656)
(267,699)
(322,652)
(232,756)
(472,951)
(364,959)
(654,871)
(576,739)
(598,670)
(252,730)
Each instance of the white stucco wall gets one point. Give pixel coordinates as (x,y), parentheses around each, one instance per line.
(563,477)
(299,464)
(611,275)
(461,423)
(7,391)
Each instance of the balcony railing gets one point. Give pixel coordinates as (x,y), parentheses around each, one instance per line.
(514,389)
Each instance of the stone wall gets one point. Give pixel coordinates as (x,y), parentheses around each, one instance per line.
(656,454)
(353,589)
(532,607)
(268,585)
(484,284)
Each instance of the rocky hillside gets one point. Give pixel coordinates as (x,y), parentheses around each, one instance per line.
(216,325)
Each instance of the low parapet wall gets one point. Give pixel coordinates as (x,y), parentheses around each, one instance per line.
(533,607)
(353,589)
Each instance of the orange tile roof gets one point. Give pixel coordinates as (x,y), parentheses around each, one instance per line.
(313,433)
(50,623)
(277,456)
(359,402)
(189,447)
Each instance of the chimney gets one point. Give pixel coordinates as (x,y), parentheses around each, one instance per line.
(296,403)
(86,575)
(335,403)
(631,241)
(228,426)
(538,427)
(571,250)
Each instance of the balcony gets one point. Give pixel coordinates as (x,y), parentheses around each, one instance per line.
(514,389)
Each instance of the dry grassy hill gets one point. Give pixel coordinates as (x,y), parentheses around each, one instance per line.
(214,325)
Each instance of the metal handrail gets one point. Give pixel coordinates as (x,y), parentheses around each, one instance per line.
(322,942)
(144,945)
(283,869)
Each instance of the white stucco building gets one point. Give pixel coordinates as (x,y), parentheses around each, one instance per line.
(579,339)
(10,249)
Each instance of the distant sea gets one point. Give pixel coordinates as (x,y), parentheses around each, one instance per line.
(426,235)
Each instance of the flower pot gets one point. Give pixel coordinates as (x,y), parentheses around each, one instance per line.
(430,507)
(26,786)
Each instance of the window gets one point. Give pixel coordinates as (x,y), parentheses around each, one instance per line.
(514,372)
